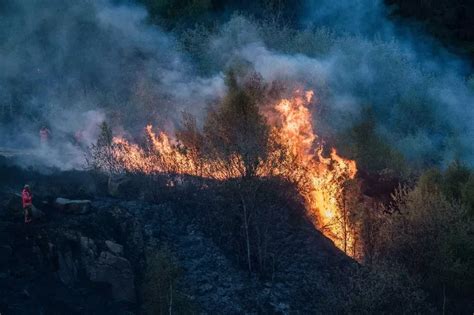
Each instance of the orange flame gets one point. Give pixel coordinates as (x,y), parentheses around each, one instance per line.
(326,176)
(320,179)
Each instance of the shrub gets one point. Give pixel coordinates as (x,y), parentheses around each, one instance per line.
(431,236)
(381,288)
(101,154)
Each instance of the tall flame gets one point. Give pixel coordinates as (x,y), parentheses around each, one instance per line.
(320,178)
(326,176)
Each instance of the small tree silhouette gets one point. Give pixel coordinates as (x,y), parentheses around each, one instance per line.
(101,154)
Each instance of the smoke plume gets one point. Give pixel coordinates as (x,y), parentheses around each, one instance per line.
(70,64)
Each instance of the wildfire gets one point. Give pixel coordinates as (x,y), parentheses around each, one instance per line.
(320,179)
(324,188)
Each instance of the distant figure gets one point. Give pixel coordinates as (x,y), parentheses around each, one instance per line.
(44,135)
(27,199)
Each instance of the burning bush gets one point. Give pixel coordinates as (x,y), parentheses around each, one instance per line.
(236,133)
(248,134)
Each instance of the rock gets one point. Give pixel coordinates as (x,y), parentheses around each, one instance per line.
(117,272)
(88,245)
(67,271)
(88,251)
(73,206)
(115,248)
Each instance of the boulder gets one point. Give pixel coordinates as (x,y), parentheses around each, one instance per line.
(67,269)
(88,245)
(73,206)
(117,272)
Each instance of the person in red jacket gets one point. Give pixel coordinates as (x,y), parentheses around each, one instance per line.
(27,199)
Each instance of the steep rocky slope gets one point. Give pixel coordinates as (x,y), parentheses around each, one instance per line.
(94,261)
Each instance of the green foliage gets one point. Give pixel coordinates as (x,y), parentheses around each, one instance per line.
(455,177)
(425,238)
(456,184)
(160,289)
(432,238)
(431,180)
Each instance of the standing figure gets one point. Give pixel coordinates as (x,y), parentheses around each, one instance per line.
(27,199)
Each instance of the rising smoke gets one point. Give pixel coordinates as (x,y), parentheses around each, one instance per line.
(356,58)
(71,64)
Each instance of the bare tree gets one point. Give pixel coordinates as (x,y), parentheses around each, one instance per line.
(236,132)
(101,155)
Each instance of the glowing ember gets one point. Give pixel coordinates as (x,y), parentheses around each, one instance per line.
(320,179)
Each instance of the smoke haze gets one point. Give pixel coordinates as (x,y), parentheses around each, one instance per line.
(71,64)
(63,60)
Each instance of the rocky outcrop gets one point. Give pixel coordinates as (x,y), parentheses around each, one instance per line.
(73,206)
(114,248)
(69,264)
(100,266)
(117,272)
(89,257)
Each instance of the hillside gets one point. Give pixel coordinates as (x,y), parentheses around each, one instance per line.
(236,157)
(94,262)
